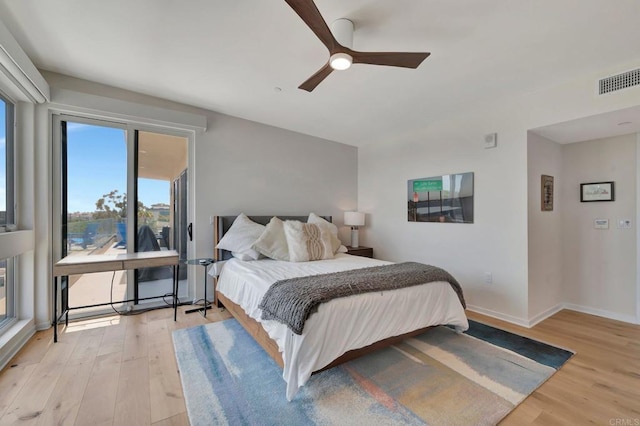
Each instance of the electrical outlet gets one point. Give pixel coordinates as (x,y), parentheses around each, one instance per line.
(488,278)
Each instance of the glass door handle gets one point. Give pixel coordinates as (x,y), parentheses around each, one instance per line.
(190,231)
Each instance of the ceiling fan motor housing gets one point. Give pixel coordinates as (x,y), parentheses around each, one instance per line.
(342,30)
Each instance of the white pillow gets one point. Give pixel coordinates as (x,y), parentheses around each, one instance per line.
(244,255)
(333,229)
(240,237)
(273,242)
(307,241)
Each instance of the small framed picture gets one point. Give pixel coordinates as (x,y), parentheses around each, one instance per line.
(597,191)
(546,191)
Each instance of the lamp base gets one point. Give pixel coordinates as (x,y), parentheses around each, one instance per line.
(354,237)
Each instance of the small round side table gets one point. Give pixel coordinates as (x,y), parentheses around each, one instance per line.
(205,262)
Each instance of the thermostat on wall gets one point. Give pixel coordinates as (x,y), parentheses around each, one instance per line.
(601,223)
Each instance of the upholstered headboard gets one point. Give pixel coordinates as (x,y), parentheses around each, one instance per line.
(221,225)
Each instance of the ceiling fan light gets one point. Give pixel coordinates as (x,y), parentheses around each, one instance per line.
(340,61)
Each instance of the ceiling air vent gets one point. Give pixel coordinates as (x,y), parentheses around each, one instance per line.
(619,81)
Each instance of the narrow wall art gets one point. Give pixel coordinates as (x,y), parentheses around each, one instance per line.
(546,191)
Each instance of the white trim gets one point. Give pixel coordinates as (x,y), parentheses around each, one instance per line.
(498,315)
(43,326)
(545,314)
(15,243)
(99,107)
(16,66)
(14,339)
(637,228)
(601,313)
(552,311)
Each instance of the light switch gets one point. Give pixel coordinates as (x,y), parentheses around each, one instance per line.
(624,223)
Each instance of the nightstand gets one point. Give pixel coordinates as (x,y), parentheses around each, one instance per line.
(360,251)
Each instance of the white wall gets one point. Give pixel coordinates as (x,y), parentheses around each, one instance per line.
(545,157)
(494,243)
(498,240)
(600,265)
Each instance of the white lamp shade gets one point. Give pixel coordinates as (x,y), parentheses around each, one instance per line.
(354,219)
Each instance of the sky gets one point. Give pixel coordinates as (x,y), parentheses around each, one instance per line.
(97,165)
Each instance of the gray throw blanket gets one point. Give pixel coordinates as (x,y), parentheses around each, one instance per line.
(291,301)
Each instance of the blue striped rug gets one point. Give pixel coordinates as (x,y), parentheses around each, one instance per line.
(439,377)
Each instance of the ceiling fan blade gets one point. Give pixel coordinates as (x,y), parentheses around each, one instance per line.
(317,78)
(310,14)
(393,59)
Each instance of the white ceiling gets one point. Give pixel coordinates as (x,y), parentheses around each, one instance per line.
(616,123)
(230,55)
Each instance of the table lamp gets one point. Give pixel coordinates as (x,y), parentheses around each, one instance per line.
(354,219)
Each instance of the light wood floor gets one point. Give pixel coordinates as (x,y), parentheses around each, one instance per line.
(122,371)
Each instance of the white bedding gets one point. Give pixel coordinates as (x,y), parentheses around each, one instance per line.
(341,324)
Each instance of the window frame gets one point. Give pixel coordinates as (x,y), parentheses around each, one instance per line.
(10,214)
(10,194)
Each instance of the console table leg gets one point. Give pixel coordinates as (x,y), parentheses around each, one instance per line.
(176,277)
(55,309)
(204,312)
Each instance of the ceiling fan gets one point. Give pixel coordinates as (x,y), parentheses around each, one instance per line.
(341,56)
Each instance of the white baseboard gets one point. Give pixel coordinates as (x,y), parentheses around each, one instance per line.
(545,314)
(553,310)
(499,315)
(601,313)
(45,325)
(14,339)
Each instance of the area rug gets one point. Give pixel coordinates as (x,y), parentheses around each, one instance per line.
(438,378)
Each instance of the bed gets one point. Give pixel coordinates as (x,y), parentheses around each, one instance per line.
(341,329)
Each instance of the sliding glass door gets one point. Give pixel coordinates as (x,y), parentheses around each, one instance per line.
(116,196)
(161,159)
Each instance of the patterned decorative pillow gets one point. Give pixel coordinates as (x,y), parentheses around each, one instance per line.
(307,241)
(317,220)
(273,242)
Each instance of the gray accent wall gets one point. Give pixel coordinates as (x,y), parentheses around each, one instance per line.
(251,168)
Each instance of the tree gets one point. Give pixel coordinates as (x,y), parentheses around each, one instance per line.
(114,205)
(111,205)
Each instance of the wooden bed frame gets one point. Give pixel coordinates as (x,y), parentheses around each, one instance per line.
(253,327)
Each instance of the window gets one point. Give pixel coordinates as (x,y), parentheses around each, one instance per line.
(6,164)
(7,208)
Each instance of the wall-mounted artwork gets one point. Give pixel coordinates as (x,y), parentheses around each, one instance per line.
(447,198)
(597,191)
(546,191)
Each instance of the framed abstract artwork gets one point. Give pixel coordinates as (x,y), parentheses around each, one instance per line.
(447,198)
